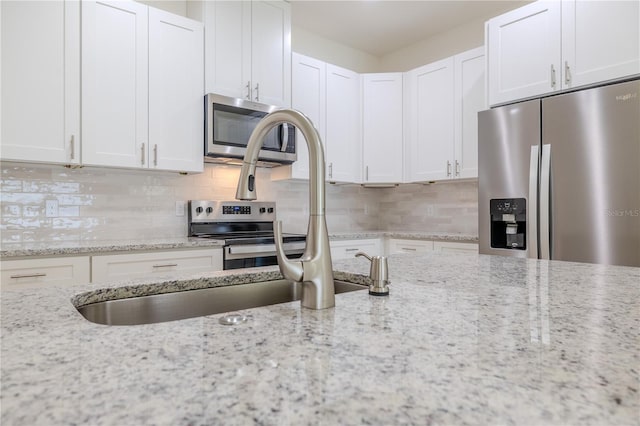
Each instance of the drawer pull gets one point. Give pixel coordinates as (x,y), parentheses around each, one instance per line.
(408,249)
(167,265)
(352,249)
(39,274)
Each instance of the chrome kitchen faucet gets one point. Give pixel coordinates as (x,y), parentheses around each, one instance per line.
(314,269)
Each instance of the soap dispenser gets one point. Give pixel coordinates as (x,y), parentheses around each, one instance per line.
(379,274)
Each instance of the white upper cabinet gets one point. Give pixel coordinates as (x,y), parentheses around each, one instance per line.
(600,41)
(548,46)
(430,139)
(343,123)
(469,98)
(382,128)
(524,52)
(247,49)
(40,80)
(308,95)
(176,82)
(142,88)
(443,100)
(115,84)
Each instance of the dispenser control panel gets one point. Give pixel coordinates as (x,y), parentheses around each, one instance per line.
(508,206)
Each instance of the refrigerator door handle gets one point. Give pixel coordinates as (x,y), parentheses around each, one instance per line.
(545,200)
(532,213)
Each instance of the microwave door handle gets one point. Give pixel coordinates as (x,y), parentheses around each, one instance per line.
(284,137)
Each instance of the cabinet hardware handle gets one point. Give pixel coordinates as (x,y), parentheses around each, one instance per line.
(330,170)
(39,274)
(257,92)
(408,249)
(352,249)
(142,154)
(457,168)
(166,265)
(553,76)
(366,173)
(73,148)
(155,154)
(248,86)
(567,73)
(448,168)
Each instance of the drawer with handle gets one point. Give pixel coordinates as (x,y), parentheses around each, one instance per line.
(35,273)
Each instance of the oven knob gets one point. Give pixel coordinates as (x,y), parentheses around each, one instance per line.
(199,210)
(209,210)
(262,210)
(270,210)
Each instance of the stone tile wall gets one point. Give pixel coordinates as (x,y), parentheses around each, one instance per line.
(111,204)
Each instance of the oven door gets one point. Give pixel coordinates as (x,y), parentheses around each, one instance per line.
(230,122)
(252,255)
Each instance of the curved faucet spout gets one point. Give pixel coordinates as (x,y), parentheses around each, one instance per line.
(314,269)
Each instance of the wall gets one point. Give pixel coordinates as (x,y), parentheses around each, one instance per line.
(111,204)
(306,43)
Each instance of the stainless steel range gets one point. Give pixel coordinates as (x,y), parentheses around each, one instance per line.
(246,227)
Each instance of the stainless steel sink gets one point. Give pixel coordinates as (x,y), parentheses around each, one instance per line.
(196,303)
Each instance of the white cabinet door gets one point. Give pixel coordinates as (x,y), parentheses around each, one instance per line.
(308,95)
(600,41)
(469,98)
(431,121)
(115,83)
(382,133)
(347,249)
(40,75)
(44,272)
(454,247)
(247,49)
(343,143)
(396,245)
(176,85)
(227,46)
(524,52)
(271,52)
(134,265)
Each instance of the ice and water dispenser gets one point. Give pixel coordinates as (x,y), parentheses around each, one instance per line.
(508,223)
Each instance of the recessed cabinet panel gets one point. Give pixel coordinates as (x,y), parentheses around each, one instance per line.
(308,95)
(40,119)
(115,84)
(44,272)
(524,52)
(469,98)
(382,128)
(431,121)
(176,79)
(343,143)
(600,41)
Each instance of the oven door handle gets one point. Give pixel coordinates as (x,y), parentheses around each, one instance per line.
(264,248)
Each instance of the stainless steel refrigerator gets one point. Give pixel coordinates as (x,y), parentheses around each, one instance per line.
(559,177)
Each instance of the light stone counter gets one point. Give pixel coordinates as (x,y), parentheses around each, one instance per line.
(68,248)
(405,235)
(462,339)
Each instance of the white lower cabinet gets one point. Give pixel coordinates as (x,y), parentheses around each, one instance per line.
(136,265)
(38,273)
(395,245)
(455,247)
(347,249)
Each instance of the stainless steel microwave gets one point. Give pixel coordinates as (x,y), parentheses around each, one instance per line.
(229,123)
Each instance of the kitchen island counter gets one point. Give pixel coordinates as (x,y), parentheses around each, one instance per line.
(462,339)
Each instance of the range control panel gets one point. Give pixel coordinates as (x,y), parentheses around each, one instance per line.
(231,211)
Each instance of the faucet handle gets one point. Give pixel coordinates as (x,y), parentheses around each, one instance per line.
(379,274)
(291,270)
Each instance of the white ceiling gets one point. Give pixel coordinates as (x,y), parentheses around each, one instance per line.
(380,27)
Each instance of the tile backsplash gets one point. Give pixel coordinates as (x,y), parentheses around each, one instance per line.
(112,204)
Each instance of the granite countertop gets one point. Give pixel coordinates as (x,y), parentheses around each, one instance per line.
(461,339)
(68,248)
